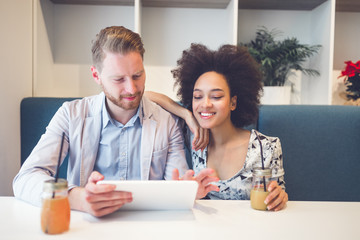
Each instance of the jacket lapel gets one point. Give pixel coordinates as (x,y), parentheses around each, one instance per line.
(90,139)
(149,126)
(147,144)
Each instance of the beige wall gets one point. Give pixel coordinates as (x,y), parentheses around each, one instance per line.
(15,82)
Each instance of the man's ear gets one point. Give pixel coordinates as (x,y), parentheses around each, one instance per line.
(95,74)
(233,103)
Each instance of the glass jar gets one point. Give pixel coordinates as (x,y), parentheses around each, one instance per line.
(260,182)
(55,213)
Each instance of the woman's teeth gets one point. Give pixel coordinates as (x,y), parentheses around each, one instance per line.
(207,114)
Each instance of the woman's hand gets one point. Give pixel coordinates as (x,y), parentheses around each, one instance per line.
(277,198)
(203,179)
(201,135)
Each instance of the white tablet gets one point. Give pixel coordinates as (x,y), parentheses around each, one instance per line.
(157,194)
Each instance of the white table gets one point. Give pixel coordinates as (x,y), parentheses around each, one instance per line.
(208,219)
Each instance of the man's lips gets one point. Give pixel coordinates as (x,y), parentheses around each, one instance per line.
(132,98)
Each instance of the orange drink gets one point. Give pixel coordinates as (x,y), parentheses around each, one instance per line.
(55,213)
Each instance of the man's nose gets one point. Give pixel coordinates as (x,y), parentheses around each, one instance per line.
(130,86)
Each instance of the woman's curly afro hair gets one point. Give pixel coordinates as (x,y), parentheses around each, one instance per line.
(240,70)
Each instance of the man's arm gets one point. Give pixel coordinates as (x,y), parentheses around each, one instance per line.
(42,162)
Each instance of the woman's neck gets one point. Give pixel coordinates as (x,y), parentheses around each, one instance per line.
(223,134)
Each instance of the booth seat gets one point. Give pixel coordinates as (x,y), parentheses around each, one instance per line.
(321,145)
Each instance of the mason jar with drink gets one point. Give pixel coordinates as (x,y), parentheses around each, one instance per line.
(259,191)
(55,212)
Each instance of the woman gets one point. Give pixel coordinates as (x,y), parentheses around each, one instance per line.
(221,90)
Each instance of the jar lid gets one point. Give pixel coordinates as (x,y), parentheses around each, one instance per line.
(51,185)
(262,172)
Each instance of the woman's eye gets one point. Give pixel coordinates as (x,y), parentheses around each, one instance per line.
(217,97)
(197,97)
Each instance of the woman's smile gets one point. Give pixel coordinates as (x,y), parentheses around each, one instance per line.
(206,115)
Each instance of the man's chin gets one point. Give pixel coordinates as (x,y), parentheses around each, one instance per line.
(127,105)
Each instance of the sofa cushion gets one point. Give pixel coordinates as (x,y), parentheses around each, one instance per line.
(35,115)
(321,149)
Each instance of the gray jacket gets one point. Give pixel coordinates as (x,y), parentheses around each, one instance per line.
(162,147)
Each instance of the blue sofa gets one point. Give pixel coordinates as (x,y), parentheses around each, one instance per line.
(321,145)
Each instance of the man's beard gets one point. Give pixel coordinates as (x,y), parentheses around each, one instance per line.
(126,105)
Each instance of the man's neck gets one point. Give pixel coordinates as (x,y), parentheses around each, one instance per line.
(119,114)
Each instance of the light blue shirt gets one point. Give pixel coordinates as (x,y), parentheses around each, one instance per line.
(119,150)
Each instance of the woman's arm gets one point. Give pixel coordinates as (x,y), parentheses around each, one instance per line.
(201,136)
(169,105)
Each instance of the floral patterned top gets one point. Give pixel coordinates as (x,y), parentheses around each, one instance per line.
(238,187)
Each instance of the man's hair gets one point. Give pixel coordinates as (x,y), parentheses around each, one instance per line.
(115,39)
(241,71)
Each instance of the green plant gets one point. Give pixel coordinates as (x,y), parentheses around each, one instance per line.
(277,58)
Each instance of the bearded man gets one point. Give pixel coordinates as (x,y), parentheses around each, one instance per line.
(118,134)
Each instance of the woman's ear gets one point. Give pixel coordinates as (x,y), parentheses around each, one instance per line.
(233,103)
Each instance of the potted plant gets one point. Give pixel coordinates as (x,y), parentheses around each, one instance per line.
(278,58)
(351,75)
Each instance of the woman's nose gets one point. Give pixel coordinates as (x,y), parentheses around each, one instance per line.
(207,102)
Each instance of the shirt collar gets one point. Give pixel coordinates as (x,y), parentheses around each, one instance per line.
(107,119)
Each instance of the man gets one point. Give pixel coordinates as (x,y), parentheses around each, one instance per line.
(118,134)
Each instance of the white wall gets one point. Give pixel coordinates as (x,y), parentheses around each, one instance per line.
(166,32)
(63,45)
(347,35)
(15,81)
(318,90)
(347,38)
(291,23)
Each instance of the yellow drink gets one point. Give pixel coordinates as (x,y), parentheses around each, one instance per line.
(257,198)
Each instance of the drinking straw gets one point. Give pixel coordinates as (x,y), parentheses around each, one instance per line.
(58,164)
(262,158)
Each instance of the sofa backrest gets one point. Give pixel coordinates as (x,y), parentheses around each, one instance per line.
(35,115)
(321,149)
(321,145)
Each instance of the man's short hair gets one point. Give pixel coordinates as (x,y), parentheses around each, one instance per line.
(115,39)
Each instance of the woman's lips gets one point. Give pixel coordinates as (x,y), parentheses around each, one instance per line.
(206,115)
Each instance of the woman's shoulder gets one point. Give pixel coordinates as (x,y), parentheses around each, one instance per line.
(263,137)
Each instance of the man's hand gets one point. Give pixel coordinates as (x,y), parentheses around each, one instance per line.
(98,200)
(203,178)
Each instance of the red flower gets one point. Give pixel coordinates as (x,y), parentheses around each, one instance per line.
(351,69)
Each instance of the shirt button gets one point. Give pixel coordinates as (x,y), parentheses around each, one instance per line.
(123,154)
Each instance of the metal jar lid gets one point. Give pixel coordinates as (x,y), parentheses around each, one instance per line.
(262,172)
(51,185)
